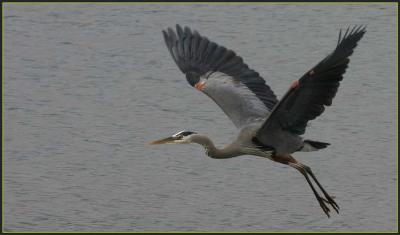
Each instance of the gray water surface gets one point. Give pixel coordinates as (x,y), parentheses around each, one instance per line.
(86,86)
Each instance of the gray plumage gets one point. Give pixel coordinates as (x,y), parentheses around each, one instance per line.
(267,127)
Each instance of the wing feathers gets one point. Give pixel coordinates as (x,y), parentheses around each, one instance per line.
(195,53)
(315,90)
(179,31)
(229,55)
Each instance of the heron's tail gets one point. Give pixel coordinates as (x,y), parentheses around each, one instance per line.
(311,145)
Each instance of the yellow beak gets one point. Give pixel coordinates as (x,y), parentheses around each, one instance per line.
(169,140)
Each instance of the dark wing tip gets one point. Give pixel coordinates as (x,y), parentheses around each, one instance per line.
(187,31)
(355,34)
(179,30)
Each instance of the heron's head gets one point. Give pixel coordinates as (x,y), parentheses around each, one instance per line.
(182,137)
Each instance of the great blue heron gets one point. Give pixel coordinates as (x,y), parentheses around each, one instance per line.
(267,128)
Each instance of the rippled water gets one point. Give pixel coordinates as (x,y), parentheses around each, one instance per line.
(86,86)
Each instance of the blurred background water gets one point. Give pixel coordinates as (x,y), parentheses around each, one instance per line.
(86,86)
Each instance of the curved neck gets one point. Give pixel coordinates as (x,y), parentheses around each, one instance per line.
(227,152)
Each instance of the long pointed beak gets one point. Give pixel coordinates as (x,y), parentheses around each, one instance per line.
(169,140)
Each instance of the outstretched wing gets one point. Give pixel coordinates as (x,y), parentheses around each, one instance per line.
(222,75)
(306,98)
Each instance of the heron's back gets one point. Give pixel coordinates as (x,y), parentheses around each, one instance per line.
(285,142)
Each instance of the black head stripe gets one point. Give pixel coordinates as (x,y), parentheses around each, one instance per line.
(184,133)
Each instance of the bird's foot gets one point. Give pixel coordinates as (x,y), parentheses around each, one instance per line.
(324,207)
(332,202)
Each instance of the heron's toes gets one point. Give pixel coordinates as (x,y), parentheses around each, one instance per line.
(334,205)
(324,207)
(332,202)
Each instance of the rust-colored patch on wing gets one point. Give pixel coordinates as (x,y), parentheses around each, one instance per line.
(294,84)
(200,86)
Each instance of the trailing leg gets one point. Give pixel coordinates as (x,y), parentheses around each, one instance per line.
(328,197)
(321,200)
(305,171)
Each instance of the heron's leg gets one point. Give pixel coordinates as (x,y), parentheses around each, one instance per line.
(319,198)
(328,197)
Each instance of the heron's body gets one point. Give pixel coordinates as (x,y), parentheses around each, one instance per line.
(268,127)
(247,144)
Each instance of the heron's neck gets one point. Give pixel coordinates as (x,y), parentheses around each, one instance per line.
(212,151)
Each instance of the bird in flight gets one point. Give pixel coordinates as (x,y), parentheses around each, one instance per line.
(268,127)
